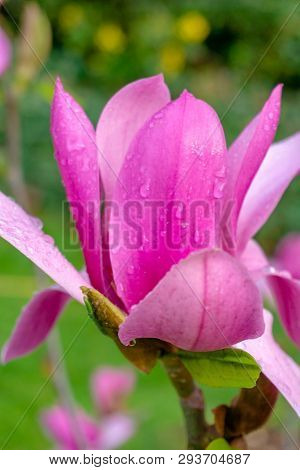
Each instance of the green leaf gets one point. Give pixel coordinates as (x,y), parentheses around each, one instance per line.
(225,368)
(219,444)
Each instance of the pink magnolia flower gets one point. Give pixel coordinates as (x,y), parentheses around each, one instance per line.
(111,387)
(199,291)
(5,52)
(109,431)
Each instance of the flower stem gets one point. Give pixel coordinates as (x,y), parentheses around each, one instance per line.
(191,401)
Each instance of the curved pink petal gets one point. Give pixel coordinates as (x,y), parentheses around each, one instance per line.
(254,259)
(206,302)
(35,322)
(173,175)
(24,233)
(116,429)
(75,150)
(249,149)
(281,165)
(286,292)
(121,118)
(283,372)
(61,426)
(287,256)
(110,387)
(5,52)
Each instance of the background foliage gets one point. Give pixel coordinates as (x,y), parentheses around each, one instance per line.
(230,53)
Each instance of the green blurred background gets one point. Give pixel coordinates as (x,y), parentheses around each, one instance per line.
(230,53)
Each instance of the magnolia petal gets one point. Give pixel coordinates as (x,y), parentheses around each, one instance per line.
(254,259)
(35,323)
(24,233)
(110,387)
(173,175)
(280,369)
(121,118)
(116,429)
(286,293)
(75,150)
(287,256)
(249,149)
(281,165)
(61,426)
(194,306)
(5,52)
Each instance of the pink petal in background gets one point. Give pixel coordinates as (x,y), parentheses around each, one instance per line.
(110,387)
(280,166)
(286,293)
(287,255)
(5,52)
(59,425)
(115,430)
(35,322)
(283,372)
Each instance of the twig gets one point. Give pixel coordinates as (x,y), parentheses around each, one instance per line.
(199,434)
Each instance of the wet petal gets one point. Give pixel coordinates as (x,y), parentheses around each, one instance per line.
(281,165)
(173,175)
(75,150)
(24,233)
(249,149)
(283,372)
(193,306)
(120,120)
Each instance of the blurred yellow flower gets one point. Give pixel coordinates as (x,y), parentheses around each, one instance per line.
(70,16)
(172,58)
(192,27)
(109,37)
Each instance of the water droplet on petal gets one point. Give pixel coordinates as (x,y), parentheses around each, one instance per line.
(145,188)
(221,173)
(130,269)
(219,188)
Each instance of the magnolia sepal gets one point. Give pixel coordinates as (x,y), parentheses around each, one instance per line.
(143,353)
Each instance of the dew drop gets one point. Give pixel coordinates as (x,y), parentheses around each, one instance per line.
(145,188)
(221,172)
(130,269)
(218,188)
(158,115)
(179,211)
